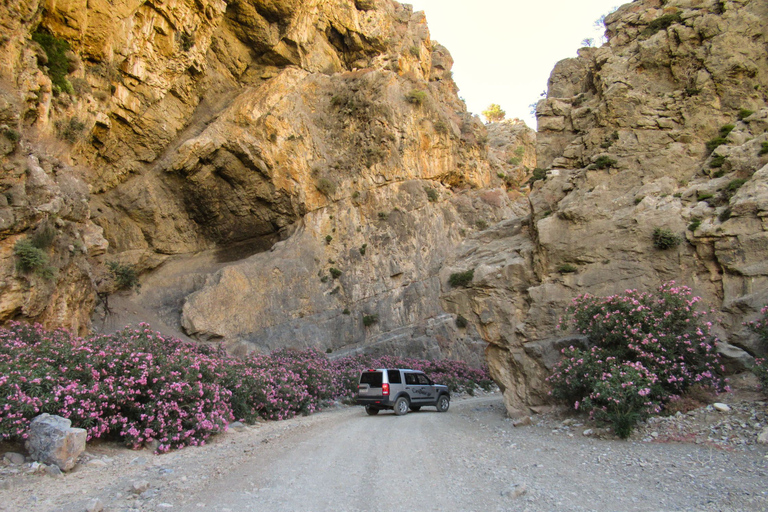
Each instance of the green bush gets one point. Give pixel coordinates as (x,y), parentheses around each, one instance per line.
(328,239)
(186,40)
(30,258)
(703,196)
(745,113)
(363,249)
(44,236)
(763,148)
(603,162)
(326,186)
(717,161)
(713,144)
(440,127)
(694,225)
(726,130)
(432,194)
(335,273)
(70,130)
(461,322)
(461,278)
(369,320)
(383,215)
(538,174)
(724,215)
(566,268)
(734,185)
(11,134)
(414,50)
(662,23)
(514,161)
(124,276)
(664,239)
(416,97)
(58,64)
(346,312)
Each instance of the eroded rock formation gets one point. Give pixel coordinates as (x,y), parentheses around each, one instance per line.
(625,135)
(181,127)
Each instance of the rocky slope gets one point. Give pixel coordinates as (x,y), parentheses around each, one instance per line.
(143,133)
(624,134)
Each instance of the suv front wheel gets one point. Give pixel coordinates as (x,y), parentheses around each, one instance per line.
(401,406)
(443,403)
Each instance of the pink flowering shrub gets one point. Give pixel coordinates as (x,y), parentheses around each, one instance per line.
(139,386)
(645,349)
(760,369)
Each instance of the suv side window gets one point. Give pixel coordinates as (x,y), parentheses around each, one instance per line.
(423,379)
(394,377)
(410,378)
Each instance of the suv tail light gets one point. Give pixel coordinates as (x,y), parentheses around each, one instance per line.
(385,389)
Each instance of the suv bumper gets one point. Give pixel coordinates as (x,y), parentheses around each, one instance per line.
(380,401)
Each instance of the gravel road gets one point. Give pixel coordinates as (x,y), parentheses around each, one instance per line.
(471,458)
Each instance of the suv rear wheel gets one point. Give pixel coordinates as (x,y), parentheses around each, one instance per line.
(401,406)
(372,411)
(443,403)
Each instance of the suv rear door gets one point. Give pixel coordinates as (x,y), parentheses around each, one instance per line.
(370,384)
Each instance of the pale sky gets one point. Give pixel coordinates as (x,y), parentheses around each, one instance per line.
(504,50)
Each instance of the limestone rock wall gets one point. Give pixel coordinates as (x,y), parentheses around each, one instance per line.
(623,134)
(196,135)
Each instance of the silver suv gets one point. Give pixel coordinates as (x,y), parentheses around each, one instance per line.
(400,389)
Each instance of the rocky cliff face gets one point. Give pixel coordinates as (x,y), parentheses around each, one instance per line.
(625,135)
(143,133)
(287,173)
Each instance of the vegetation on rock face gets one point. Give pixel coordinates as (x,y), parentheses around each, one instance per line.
(538,174)
(763,148)
(326,186)
(369,320)
(124,276)
(70,130)
(603,162)
(432,194)
(643,351)
(30,258)
(461,278)
(138,386)
(664,239)
(461,322)
(566,268)
(58,64)
(662,23)
(494,113)
(416,97)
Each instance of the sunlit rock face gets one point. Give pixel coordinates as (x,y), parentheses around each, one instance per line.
(623,136)
(277,171)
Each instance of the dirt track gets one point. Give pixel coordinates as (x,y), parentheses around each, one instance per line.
(470,458)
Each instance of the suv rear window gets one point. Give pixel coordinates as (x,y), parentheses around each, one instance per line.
(373,379)
(394,377)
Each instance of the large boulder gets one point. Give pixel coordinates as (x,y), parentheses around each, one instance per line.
(52,440)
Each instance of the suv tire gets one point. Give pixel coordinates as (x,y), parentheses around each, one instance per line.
(415,408)
(401,406)
(443,403)
(372,411)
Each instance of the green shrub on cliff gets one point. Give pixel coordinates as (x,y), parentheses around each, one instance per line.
(58,64)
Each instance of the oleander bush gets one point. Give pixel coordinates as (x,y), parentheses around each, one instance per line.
(138,386)
(643,350)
